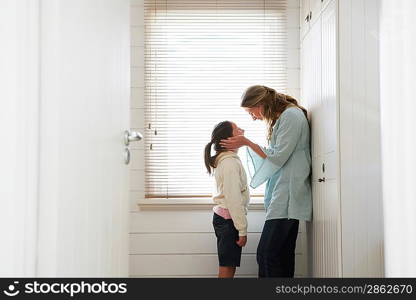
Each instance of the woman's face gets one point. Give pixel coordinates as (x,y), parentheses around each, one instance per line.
(255,112)
(237,130)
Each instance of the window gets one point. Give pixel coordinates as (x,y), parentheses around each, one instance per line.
(200,56)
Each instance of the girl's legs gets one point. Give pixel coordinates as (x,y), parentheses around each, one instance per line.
(229,253)
(276,249)
(226,272)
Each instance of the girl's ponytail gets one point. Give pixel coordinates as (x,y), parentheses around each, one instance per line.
(208,159)
(221,131)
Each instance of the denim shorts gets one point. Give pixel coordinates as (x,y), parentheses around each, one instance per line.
(229,253)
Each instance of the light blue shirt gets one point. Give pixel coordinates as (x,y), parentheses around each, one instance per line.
(286,169)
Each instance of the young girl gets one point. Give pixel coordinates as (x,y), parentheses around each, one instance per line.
(231,196)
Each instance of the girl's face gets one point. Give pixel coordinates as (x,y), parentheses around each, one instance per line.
(255,112)
(237,130)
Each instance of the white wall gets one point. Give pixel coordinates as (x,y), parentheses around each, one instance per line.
(360,148)
(398,65)
(178,242)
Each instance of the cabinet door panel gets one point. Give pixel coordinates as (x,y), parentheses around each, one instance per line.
(316,253)
(317,169)
(304,21)
(325,3)
(331,227)
(314,79)
(330,165)
(329,79)
(315,8)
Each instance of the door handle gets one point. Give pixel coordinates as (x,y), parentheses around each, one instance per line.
(132,136)
(321,179)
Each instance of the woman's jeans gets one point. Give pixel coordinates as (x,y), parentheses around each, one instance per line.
(276,249)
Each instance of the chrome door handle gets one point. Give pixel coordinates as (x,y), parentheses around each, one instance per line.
(132,136)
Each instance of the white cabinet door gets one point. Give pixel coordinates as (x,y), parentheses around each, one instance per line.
(85,80)
(324,232)
(319,77)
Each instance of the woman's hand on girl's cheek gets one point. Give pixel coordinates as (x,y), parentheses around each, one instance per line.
(227,144)
(240,140)
(234,142)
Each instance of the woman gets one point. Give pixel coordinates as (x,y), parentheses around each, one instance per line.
(285,165)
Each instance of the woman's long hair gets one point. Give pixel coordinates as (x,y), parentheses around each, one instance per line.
(273,103)
(221,131)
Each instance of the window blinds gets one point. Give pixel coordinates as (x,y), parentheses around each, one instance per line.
(200,56)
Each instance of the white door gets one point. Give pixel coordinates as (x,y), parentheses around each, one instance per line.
(84,67)
(19,118)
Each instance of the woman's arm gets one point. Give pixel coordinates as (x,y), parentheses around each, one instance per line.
(286,138)
(256,148)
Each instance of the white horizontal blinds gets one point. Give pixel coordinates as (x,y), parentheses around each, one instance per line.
(200,56)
